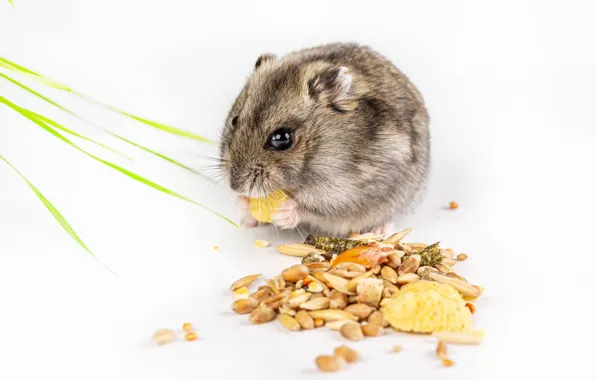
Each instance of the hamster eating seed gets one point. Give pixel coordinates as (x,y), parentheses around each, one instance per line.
(338,129)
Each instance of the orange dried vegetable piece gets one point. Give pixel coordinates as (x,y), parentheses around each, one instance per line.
(366,255)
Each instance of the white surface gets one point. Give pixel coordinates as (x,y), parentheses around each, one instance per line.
(510,88)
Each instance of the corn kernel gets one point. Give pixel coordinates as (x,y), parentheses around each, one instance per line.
(397,348)
(261,208)
(261,243)
(241,293)
(453,205)
(187,327)
(319,322)
(191,336)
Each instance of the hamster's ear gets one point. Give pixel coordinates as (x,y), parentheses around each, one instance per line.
(334,87)
(264,58)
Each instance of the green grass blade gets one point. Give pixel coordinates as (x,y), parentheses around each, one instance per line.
(159,187)
(154,124)
(54,211)
(30,90)
(162,156)
(49,82)
(57,125)
(29,115)
(38,77)
(11,3)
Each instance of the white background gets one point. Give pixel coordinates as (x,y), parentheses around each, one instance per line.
(510,87)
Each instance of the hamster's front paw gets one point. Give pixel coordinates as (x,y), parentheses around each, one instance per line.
(246,219)
(286,215)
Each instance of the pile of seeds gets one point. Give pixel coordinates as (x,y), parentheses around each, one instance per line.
(343,284)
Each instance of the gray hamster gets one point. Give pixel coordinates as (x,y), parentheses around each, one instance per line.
(336,127)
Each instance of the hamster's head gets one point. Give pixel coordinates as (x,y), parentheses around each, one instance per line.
(288,127)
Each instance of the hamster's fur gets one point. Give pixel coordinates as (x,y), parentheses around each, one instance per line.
(360,152)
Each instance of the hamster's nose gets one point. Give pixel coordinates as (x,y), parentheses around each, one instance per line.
(235,180)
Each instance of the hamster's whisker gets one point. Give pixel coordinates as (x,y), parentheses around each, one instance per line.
(301,234)
(212,158)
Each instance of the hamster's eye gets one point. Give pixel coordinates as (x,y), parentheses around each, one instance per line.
(235,121)
(280,139)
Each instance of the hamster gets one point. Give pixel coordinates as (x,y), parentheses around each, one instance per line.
(339,129)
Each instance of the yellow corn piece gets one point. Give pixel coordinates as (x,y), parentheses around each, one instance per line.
(261,208)
(241,293)
(427,306)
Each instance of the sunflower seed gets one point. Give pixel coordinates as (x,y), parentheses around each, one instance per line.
(322,266)
(315,287)
(396,237)
(262,294)
(447,253)
(277,300)
(330,315)
(297,250)
(163,336)
(410,265)
(407,278)
(316,304)
(289,323)
(422,270)
(244,281)
(352,331)
(352,267)
(463,287)
(337,300)
(286,310)
(455,275)
(372,329)
(404,248)
(377,318)
(298,300)
(389,274)
(262,314)
(349,354)
(449,262)
(295,273)
(417,246)
(345,273)
(336,325)
(470,337)
(338,283)
(305,320)
(360,310)
(244,306)
(394,260)
(330,363)
(353,284)
(443,268)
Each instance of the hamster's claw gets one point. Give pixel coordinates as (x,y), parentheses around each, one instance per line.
(246,219)
(286,216)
